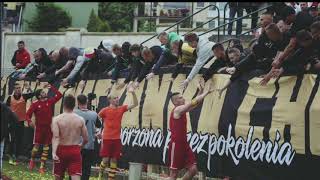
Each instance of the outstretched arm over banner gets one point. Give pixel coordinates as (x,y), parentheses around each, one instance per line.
(191,105)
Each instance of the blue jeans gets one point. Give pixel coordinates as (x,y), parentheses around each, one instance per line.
(232,14)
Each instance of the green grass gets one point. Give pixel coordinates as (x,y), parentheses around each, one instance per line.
(21,172)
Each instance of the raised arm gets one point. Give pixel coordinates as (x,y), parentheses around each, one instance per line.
(79,62)
(58,95)
(287,51)
(191,105)
(134,96)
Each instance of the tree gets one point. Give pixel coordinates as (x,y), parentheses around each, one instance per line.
(147,26)
(119,15)
(95,24)
(49,18)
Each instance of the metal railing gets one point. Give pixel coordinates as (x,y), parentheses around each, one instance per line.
(217,17)
(179,22)
(225,24)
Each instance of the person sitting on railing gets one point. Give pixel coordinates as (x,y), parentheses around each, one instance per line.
(305,57)
(187,55)
(41,64)
(219,64)
(135,66)
(150,56)
(204,54)
(170,43)
(299,22)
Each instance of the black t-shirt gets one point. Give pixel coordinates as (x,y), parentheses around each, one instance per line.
(303,21)
(267,49)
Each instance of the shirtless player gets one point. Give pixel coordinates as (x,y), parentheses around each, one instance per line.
(180,153)
(67,129)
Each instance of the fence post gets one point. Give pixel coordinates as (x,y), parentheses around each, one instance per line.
(135,170)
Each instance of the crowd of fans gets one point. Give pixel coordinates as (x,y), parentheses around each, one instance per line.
(288,42)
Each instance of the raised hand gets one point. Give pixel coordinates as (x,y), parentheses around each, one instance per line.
(150,76)
(130,87)
(231,70)
(120,86)
(184,84)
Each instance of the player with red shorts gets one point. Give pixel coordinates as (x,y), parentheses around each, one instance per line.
(111,144)
(180,153)
(42,108)
(68,130)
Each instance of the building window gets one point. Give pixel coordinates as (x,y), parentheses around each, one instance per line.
(200,4)
(199,24)
(212,24)
(212,8)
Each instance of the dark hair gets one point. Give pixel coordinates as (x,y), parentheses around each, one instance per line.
(37,93)
(218,45)
(69,101)
(273,27)
(116,47)
(21,42)
(82,99)
(191,37)
(43,52)
(303,35)
(233,50)
(315,25)
(287,11)
(162,34)
(135,47)
(16,84)
(173,94)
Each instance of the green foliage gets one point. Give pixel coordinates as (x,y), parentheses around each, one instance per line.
(49,18)
(147,26)
(119,15)
(95,24)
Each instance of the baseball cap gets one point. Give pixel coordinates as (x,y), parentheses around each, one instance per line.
(88,53)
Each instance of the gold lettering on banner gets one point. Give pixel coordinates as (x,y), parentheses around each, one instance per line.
(154,102)
(291,113)
(314,120)
(243,115)
(212,106)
